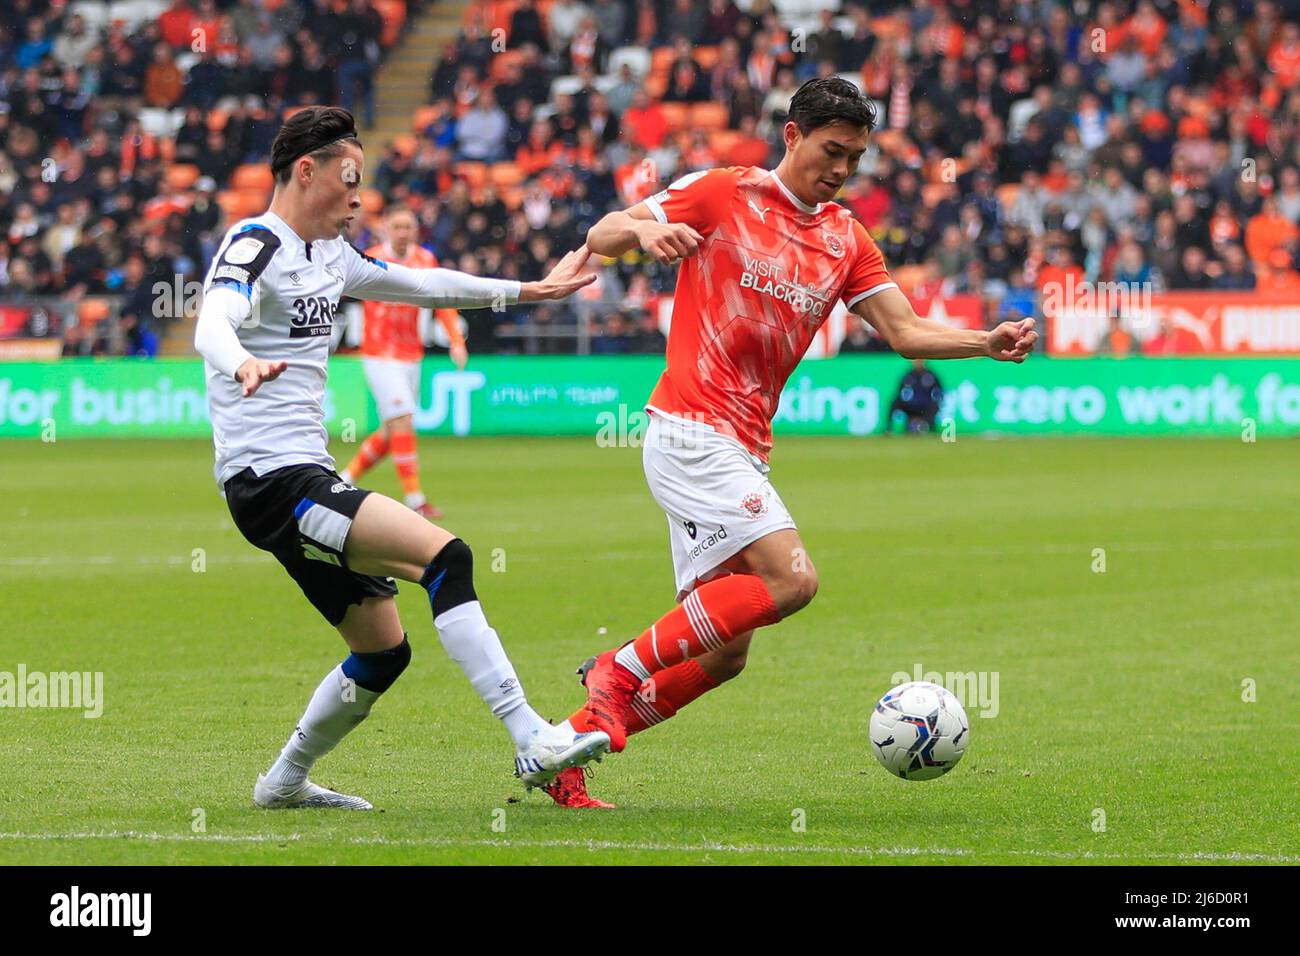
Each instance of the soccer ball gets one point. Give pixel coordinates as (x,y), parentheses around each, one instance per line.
(919,731)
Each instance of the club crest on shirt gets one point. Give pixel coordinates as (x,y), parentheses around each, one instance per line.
(754,504)
(834,244)
(335,271)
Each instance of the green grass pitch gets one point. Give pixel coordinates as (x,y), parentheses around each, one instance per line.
(1122,735)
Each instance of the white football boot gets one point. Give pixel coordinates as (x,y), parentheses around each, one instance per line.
(304,796)
(539,763)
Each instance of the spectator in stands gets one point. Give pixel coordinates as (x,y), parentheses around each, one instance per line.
(644,122)
(481,132)
(73,43)
(1191,273)
(1237,275)
(563,19)
(163,80)
(1267,231)
(264,42)
(526,27)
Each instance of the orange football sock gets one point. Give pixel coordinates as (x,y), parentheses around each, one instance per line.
(661,697)
(711,615)
(667,692)
(408,464)
(368,455)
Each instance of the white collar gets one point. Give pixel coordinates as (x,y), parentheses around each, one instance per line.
(795,200)
(288,229)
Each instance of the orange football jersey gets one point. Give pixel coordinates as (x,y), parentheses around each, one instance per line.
(748,304)
(392,329)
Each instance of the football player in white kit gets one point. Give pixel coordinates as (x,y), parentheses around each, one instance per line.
(270,299)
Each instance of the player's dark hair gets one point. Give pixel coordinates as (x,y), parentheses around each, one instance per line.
(831,99)
(316,131)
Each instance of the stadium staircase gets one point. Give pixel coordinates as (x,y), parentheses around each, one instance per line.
(403,83)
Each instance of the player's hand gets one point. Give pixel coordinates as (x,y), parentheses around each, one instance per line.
(460,355)
(256,371)
(667,242)
(565,279)
(1012,341)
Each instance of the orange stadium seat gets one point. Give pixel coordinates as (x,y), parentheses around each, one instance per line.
(709,116)
(500,62)
(92,311)
(722,141)
(290,110)
(393,13)
(513,197)
(886,28)
(931,193)
(909,277)
(656,86)
(676,115)
(241,203)
(505,175)
(182,175)
(661,60)
(474,174)
(252,176)
(706,56)
(422,117)
(490,14)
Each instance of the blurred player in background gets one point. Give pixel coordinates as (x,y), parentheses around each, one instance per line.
(391,353)
(764,256)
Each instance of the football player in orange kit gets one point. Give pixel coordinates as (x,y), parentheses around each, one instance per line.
(765,255)
(391,352)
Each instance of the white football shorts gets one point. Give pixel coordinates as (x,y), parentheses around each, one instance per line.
(394,384)
(714,493)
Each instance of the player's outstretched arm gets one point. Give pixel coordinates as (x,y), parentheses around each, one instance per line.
(637,227)
(913,337)
(439,288)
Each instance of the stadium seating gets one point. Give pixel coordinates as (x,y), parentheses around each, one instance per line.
(1221,101)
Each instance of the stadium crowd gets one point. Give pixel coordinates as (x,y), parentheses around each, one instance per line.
(1147,143)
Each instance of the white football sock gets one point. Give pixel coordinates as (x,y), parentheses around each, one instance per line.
(338,705)
(472,644)
(415,499)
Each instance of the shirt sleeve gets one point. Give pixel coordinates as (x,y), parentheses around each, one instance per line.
(699,200)
(369,278)
(868,274)
(224,308)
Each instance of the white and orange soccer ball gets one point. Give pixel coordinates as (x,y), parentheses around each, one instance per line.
(919,731)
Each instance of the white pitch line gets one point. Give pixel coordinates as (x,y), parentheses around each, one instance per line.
(1208,856)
